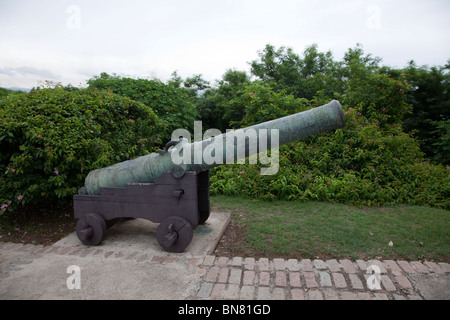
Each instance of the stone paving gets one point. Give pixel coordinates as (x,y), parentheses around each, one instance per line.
(280,279)
(266,279)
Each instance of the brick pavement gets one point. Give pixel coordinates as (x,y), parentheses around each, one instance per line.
(280,279)
(260,279)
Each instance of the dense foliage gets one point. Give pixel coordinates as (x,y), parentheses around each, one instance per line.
(416,97)
(173,106)
(372,161)
(430,101)
(394,148)
(360,165)
(51,138)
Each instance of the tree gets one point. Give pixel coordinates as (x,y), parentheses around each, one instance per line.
(371,161)
(379,94)
(430,100)
(302,77)
(260,103)
(214,107)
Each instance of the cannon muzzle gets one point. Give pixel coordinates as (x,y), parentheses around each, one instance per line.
(221,148)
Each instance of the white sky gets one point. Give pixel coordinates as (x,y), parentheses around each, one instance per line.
(70,41)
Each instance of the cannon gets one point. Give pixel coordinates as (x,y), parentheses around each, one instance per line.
(171,187)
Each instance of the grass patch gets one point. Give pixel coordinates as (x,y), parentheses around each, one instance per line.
(318,229)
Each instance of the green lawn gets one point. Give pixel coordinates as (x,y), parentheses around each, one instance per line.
(311,229)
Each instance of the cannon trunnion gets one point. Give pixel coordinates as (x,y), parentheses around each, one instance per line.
(177,204)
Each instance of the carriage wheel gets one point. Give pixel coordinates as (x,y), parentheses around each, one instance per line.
(174,234)
(91,229)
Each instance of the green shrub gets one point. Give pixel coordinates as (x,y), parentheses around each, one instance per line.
(360,164)
(51,138)
(369,162)
(259,103)
(5,92)
(172,105)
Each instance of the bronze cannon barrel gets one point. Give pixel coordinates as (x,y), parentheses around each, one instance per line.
(147,168)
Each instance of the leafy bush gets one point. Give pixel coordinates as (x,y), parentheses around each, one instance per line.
(379,97)
(51,138)
(258,102)
(4,92)
(360,165)
(441,143)
(417,97)
(213,103)
(369,162)
(172,105)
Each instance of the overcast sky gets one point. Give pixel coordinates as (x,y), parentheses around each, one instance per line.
(71,41)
